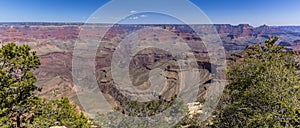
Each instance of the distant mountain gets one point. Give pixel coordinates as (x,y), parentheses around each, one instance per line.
(239,37)
(290,28)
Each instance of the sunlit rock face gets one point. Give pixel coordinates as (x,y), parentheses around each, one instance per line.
(154,72)
(54,43)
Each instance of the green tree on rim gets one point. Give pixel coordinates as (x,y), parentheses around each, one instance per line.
(263,89)
(19,107)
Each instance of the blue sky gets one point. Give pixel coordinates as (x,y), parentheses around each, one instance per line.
(254,12)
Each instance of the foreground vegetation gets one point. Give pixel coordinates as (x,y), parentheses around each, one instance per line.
(19,106)
(263,89)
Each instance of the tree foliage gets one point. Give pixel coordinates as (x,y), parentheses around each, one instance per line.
(263,89)
(144,114)
(16,82)
(57,113)
(19,107)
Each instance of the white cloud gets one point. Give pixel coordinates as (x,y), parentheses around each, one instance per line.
(134,18)
(143,16)
(133,11)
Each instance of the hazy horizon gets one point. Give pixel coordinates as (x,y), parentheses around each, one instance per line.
(60,22)
(254,12)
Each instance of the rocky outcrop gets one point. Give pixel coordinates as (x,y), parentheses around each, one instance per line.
(54,44)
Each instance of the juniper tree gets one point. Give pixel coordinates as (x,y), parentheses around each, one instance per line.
(263,89)
(19,106)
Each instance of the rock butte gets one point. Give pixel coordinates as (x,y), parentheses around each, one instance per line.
(54,43)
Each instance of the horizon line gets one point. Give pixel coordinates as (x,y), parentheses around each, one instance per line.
(82,23)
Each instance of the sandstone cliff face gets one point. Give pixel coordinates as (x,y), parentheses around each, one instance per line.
(55,42)
(241,30)
(161,86)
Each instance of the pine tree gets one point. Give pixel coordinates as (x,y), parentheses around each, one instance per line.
(19,107)
(16,83)
(263,89)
